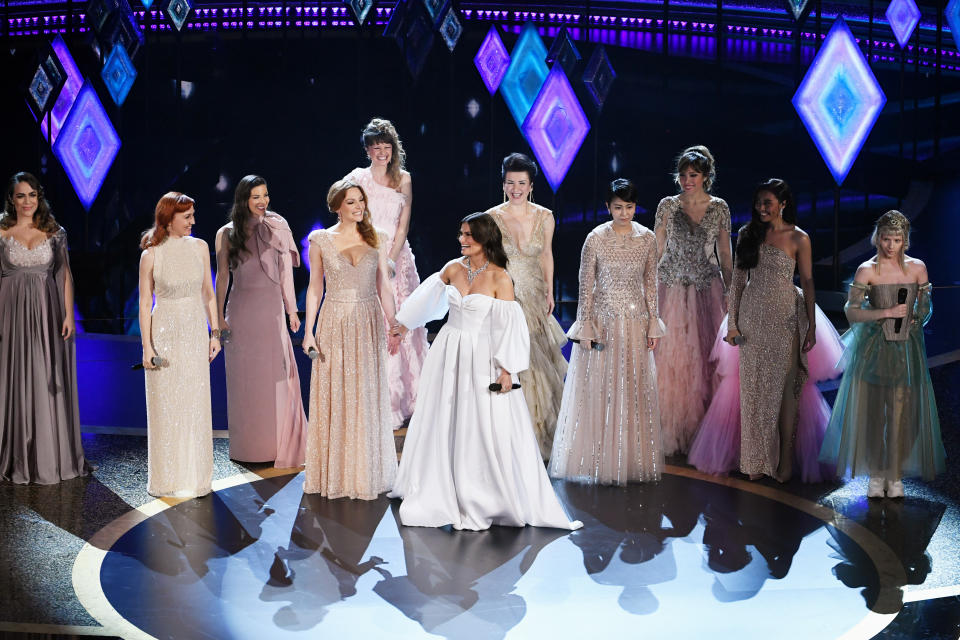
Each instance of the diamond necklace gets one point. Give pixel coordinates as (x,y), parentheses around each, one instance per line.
(473,273)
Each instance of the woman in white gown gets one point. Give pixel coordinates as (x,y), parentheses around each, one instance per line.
(471,459)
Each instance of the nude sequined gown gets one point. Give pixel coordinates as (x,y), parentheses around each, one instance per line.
(608,431)
(350,446)
(179,423)
(542,383)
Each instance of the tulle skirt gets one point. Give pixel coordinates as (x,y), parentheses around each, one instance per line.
(687,382)
(716,449)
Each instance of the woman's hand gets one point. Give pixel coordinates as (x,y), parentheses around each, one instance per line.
(811,339)
(393,343)
(652,343)
(731,334)
(391,267)
(294,320)
(899,311)
(398,330)
(214,348)
(68,328)
(550,302)
(309,342)
(147,360)
(506,382)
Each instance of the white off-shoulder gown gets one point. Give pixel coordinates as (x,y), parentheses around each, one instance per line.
(471,459)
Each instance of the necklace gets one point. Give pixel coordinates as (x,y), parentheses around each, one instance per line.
(473,273)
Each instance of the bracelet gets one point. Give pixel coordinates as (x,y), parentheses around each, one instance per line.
(215,333)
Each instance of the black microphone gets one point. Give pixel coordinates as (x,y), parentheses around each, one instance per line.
(312,353)
(599,346)
(901,299)
(496,386)
(156,361)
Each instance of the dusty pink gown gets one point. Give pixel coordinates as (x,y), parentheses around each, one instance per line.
(691,304)
(264,407)
(403,368)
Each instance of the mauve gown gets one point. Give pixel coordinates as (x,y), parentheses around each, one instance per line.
(40,428)
(264,407)
(403,367)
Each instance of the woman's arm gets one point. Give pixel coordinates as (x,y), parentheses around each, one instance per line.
(660,221)
(737,283)
(805,267)
(223,274)
(724,250)
(287,289)
(146,305)
(546,258)
(210,302)
(655,327)
(69,323)
(314,293)
(403,223)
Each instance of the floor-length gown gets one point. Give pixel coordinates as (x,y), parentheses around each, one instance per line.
(350,447)
(608,431)
(470,459)
(403,367)
(692,305)
(885,421)
(40,432)
(265,410)
(543,380)
(179,422)
(767,382)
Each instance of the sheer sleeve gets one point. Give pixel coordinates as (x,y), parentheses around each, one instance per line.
(724,222)
(664,211)
(737,284)
(655,328)
(510,338)
(924,308)
(61,267)
(427,302)
(857,308)
(584,328)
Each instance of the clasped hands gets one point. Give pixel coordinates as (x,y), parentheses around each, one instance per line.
(395,337)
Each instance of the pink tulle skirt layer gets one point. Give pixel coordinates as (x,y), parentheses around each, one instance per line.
(716,448)
(685,372)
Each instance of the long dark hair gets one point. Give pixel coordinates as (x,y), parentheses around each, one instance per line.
(752,234)
(42,218)
(485,231)
(240,215)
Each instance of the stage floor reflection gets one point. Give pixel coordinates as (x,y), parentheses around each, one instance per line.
(683,558)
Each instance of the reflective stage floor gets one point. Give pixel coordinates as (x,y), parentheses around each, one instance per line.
(692,556)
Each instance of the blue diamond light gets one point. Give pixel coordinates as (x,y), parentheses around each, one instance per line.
(118,74)
(526,73)
(451,29)
(797,7)
(492,60)
(839,100)
(555,127)
(903,16)
(599,76)
(178,10)
(61,108)
(952,13)
(359,9)
(564,52)
(87,145)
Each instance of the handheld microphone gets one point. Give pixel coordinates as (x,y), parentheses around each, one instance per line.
(313,354)
(599,346)
(901,299)
(738,340)
(496,386)
(224,335)
(156,361)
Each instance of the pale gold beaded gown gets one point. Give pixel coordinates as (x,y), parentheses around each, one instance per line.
(350,446)
(179,423)
(543,382)
(608,431)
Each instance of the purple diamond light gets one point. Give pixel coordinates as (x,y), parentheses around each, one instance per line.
(492,60)
(839,100)
(87,145)
(61,108)
(952,13)
(555,127)
(903,16)
(526,73)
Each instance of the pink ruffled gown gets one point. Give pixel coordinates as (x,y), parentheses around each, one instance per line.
(403,368)
(771,317)
(692,305)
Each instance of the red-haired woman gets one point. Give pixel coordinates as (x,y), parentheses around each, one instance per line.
(177,351)
(40,428)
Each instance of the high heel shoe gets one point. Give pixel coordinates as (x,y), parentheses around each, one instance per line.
(895,489)
(875,488)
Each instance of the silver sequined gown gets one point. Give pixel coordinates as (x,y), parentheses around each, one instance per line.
(608,431)
(350,447)
(543,382)
(179,423)
(692,305)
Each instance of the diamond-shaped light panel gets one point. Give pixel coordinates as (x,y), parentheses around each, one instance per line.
(839,100)
(564,52)
(903,16)
(526,73)
(416,39)
(47,82)
(555,127)
(87,145)
(178,10)
(118,74)
(797,7)
(451,29)
(599,76)
(435,9)
(359,9)
(61,108)
(952,13)
(492,60)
